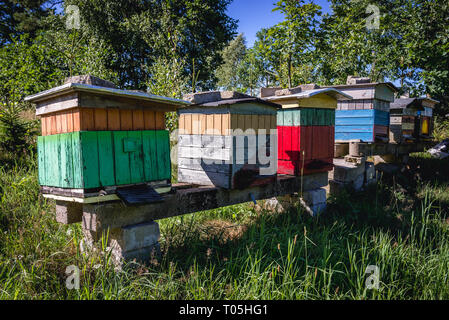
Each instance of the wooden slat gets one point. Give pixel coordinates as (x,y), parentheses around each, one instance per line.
(181,124)
(136,158)
(160,120)
(76,114)
(126,120)
(203,121)
(100,119)
(106,158)
(217,124)
(89,149)
(150,121)
(149,155)
(121,159)
(113,119)
(163,154)
(70,120)
(196,124)
(138,120)
(209,124)
(87,119)
(44,126)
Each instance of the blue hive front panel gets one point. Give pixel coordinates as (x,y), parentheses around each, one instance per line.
(359,124)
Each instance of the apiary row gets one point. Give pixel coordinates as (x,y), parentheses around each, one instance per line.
(95,137)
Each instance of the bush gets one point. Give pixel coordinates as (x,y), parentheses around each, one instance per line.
(17,135)
(441,129)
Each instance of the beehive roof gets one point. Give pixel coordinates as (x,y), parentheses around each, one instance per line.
(403,103)
(337,94)
(222,98)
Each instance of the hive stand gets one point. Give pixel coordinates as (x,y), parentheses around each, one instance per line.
(133,231)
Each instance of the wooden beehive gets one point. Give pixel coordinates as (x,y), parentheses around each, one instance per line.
(305,128)
(404,122)
(425,117)
(220,137)
(95,138)
(367,116)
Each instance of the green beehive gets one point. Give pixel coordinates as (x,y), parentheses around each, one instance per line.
(96,138)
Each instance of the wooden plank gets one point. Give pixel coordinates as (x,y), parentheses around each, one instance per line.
(113,119)
(163,154)
(100,119)
(209,124)
(188,200)
(203,123)
(138,120)
(306,142)
(87,119)
(204,178)
(126,120)
(78,179)
(188,124)
(58,123)
(52,161)
(217,124)
(121,159)
(76,114)
(225,124)
(70,120)
(66,164)
(241,122)
(196,124)
(149,155)
(44,126)
(160,120)
(41,165)
(150,120)
(136,158)
(106,158)
(181,124)
(200,165)
(89,149)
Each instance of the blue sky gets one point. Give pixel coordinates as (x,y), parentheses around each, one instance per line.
(254,15)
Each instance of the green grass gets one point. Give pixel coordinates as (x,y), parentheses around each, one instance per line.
(401,225)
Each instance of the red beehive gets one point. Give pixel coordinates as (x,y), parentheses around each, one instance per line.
(305,126)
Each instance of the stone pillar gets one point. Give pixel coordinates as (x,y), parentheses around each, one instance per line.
(314,201)
(347,175)
(68,212)
(135,241)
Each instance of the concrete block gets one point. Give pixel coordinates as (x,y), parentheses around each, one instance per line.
(314,196)
(314,209)
(140,241)
(357,184)
(341,149)
(68,212)
(345,171)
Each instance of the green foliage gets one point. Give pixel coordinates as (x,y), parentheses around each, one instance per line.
(238,253)
(441,129)
(228,73)
(16,134)
(141,33)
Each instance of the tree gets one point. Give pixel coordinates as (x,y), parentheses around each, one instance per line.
(293,39)
(140,32)
(228,75)
(19,17)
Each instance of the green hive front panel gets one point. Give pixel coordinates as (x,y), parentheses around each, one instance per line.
(306,117)
(93,159)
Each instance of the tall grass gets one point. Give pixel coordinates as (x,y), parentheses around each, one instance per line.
(239,253)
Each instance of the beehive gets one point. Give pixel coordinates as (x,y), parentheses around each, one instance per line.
(425,117)
(305,128)
(404,121)
(220,136)
(96,137)
(367,116)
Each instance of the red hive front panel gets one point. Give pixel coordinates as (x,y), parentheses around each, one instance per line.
(305,149)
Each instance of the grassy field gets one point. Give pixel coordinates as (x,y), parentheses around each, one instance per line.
(401,225)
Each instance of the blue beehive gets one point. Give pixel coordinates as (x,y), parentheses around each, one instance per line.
(367,116)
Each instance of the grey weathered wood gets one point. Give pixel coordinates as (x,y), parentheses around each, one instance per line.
(184,201)
(206,178)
